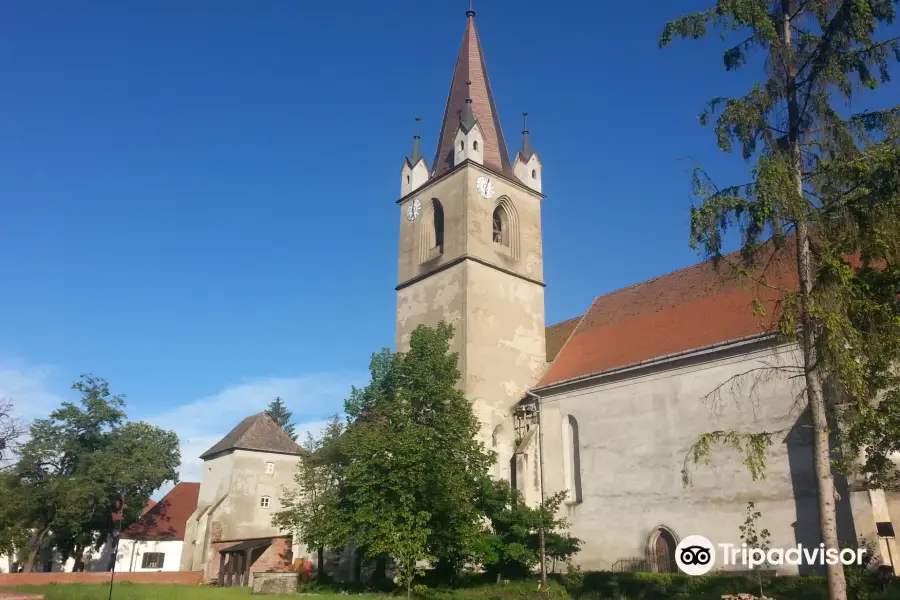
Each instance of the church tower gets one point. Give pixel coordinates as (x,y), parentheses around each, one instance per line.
(470,250)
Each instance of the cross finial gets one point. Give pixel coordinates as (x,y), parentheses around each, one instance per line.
(417,127)
(470,12)
(524,122)
(469,91)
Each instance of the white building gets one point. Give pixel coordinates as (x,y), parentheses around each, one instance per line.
(154,542)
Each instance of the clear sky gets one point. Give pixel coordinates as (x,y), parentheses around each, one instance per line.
(197,198)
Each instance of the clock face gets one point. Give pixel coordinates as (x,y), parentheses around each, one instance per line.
(485,186)
(413,210)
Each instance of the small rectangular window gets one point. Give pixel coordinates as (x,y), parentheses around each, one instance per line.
(270,468)
(153,560)
(264,502)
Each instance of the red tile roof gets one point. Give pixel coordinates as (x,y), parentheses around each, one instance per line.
(470,66)
(168,517)
(150,504)
(689,309)
(557,335)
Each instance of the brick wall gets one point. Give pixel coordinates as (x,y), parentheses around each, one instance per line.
(176,577)
(278,558)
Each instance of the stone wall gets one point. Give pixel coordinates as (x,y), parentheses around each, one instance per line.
(275,583)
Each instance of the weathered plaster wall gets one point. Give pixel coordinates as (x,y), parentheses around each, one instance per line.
(241,515)
(438,297)
(504,347)
(216,478)
(634,433)
(498,316)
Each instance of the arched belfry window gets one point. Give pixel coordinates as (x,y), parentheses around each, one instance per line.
(505,226)
(430,226)
(438,225)
(572,468)
(501,226)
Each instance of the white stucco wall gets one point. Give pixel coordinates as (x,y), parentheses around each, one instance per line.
(130,555)
(634,433)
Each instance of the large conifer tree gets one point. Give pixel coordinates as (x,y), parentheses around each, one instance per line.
(824,191)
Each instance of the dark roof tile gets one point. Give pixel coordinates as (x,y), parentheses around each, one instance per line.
(256,432)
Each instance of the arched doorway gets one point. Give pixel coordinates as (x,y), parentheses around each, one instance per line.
(662,551)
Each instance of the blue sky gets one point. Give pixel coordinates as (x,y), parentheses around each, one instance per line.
(197,198)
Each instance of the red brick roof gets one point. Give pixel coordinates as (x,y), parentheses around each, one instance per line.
(470,66)
(557,335)
(689,309)
(168,517)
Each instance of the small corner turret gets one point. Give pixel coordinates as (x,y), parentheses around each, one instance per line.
(528,167)
(414,172)
(469,141)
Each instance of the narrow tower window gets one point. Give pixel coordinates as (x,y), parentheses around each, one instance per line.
(475,145)
(533,174)
(501,226)
(462,145)
(438,225)
(574,467)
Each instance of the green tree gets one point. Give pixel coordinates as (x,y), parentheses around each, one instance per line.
(81,461)
(410,450)
(309,507)
(14,501)
(754,537)
(821,191)
(279,412)
(510,546)
(11,430)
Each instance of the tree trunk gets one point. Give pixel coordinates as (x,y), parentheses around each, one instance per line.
(78,555)
(320,567)
(33,551)
(837,584)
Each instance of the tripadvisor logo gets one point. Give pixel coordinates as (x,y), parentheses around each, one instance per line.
(696,555)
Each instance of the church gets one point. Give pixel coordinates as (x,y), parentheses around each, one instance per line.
(607,406)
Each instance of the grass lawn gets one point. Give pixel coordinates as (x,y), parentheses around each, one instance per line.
(520,590)
(149,591)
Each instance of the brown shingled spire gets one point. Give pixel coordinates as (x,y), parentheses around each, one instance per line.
(470,67)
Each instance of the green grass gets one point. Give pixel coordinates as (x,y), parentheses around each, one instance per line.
(150,591)
(520,590)
(594,586)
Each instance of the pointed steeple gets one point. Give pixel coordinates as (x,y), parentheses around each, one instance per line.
(475,98)
(416,154)
(527,151)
